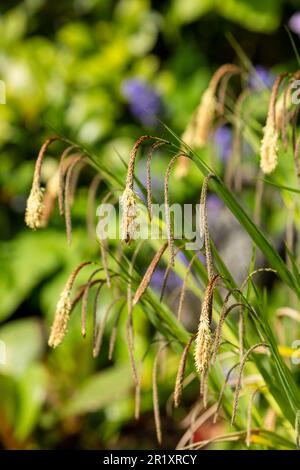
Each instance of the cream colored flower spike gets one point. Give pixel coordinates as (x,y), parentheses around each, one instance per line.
(269,143)
(62,314)
(35,208)
(129,206)
(204,117)
(269,146)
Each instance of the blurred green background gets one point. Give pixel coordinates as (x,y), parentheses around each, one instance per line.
(103,73)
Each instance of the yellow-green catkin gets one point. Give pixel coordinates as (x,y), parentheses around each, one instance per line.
(35,208)
(204,117)
(129,214)
(35,202)
(129,199)
(204,338)
(198,129)
(62,314)
(269,143)
(63,310)
(269,146)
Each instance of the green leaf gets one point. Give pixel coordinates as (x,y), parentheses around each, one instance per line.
(31,395)
(22,344)
(280,186)
(277,441)
(189,10)
(253,230)
(100,390)
(26,261)
(255,15)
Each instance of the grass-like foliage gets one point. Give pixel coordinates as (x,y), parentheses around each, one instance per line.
(241,346)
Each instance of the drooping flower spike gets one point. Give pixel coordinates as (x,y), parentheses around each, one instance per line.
(169,228)
(269,143)
(148,274)
(198,129)
(35,202)
(204,338)
(181,371)
(129,198)
(63,309)
(203,224)
(241,370)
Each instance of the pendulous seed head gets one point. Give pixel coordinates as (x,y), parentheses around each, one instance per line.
(63,309)
(35,202)
(180,373)
(269,146)
(198,129)
(269,143)
(204,117)
(62,314)
(35,208)
(129,206)
(204,341)
(205,337)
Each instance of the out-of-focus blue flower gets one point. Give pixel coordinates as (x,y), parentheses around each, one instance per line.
(223,141)
(294,22)
(158,276)
(260,77)
(181,256)
(144,102)
(201,258)
(156,184)
(214,205)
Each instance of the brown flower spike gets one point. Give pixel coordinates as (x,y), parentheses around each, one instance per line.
(63,310)
(269,143)
(204,338)
(35,202)
(129,198)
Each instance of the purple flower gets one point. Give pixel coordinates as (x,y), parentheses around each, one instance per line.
(223,141)
(260,77)
(155,182)
(140,193)
(144,102)
(294,23)
(181,256)
(201,258)
(158,277)
(214,205)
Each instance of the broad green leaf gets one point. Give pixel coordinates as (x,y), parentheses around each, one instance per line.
(27,260)
(280,186)
(189,10)
(22,343)
(100,390)
(255,15)
(31,388)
